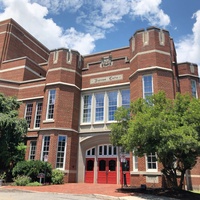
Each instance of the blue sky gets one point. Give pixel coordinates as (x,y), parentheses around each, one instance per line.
(91,26)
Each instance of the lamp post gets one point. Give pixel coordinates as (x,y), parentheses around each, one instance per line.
(45,160)
(123,161)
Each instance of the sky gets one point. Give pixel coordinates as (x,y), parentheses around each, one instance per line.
(92,26)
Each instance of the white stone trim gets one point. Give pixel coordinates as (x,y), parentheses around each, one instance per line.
(64,69)
(195,76)
(62,83)
(151,51)
(105,86)
(31,98)
(151,68)
(106,72)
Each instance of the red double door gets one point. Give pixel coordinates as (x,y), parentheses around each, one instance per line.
(107,170)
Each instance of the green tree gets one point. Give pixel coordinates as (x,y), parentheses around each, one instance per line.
(12,132)
(169,128)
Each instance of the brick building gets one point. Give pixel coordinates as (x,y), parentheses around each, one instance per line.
(69,100)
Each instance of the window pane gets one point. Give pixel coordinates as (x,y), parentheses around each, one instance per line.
(125,98)
(51,103)
(194,88)
(28,115)
(151,161)
(61,151)
(32,150)
(46,143)
(99,107)
(112,105)
(38,115)
(87,101)
(147,86)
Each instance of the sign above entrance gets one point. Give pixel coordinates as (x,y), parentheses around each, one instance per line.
(106,79)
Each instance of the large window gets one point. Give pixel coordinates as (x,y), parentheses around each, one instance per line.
(112,105)
(101,107)
(87,102)
(38,114)
(99,117)
(32,150)
(61,149)
(45,148)
(147,86)
(51,104)
(151,162)
(28,114)
(194,88)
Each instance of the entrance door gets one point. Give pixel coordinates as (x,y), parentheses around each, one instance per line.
(89,171)
(107,172)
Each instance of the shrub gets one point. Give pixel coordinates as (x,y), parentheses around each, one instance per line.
(34,184)
(22,180)
(32,168)
(57,176)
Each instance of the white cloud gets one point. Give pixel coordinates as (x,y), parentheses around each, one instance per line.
(149,10)
(98,18)
(32,17)
(56,5)
(189,46)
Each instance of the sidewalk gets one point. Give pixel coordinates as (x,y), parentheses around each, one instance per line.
(107,191)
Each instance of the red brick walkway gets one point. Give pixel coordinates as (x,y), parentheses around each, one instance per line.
(77,188)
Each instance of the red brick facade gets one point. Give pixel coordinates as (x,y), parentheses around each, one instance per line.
(29,71)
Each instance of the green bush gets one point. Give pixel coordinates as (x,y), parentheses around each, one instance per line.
(22,180)
(32,168)
(34,184)
(57,176)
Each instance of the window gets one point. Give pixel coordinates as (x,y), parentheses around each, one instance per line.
(28,115)
(194,88)
(125,98)
(61,151)
(91,152)
(51,104)
(112,105)
(32,150)
(100,107)
(147,86)
(151,162)
(45,149)
(107,150)
(135,163)
(87,102)
(99,117)
(38,114)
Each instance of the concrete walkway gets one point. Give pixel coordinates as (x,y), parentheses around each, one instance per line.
(94,191)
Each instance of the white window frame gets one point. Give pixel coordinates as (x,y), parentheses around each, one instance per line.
(64,156)
(156,162)
(32,149)
(135,163)
(25,116)
(99,121)
(48,109)
(108,104)
(44,153)
(194,84)
(143,85)
(91,110)
(38,114)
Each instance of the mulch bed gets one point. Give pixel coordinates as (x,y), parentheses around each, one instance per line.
(177,194)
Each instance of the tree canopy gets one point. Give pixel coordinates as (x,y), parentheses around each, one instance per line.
(169,128)
(12,133)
